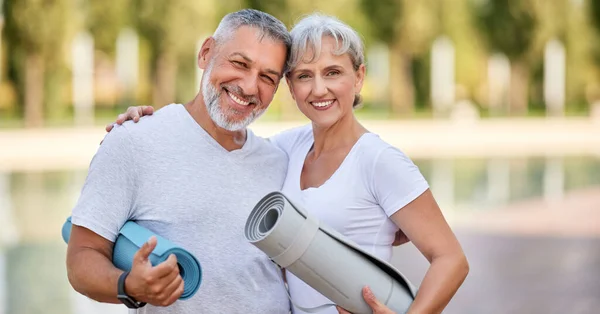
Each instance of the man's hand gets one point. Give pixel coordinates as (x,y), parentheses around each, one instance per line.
(400,238)
(132,113)
(159,285)
(376,306)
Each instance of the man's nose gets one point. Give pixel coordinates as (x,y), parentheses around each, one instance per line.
(249,85)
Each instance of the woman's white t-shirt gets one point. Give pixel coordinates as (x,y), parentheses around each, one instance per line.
(373,182)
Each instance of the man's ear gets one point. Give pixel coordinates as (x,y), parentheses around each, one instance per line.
(206,51)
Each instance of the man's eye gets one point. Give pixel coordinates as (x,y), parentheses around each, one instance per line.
(269,79)
(238,63)
(332,73)
(303,76)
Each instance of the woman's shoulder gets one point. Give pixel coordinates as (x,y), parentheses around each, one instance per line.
(288,139)
(375,152)
(373,146)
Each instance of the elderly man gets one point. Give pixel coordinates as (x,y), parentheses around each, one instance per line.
(191,174)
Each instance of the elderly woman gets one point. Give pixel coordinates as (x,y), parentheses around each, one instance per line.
(349,177)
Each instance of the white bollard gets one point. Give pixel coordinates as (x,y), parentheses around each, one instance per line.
(83,78)
(378,74)
(442,76)
(498,83)
(127,63)
(554,78)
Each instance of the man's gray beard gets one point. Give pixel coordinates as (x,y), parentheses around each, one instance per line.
(211,99)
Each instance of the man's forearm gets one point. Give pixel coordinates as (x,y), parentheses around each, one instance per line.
(92,274)
(441,282)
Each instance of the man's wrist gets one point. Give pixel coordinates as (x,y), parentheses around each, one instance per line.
(130,300)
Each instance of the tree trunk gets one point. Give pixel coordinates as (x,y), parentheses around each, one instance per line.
(401,86)
(34,91)
(165,76)
(519,88)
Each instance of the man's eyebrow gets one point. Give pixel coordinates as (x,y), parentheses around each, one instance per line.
(271,71)
(245,57)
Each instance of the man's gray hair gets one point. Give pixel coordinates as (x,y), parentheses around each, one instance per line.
(308,35)
(267,24)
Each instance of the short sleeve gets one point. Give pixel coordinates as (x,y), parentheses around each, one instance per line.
(396,180)
(108,194)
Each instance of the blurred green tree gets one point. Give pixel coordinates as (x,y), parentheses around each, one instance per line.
(594,13)
(35,32)
(385,18)
(172,29)
(105,19)
(509,27)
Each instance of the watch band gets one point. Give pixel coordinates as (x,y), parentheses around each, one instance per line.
(129,301)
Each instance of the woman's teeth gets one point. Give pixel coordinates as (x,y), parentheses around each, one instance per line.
(237,100)
(322,104)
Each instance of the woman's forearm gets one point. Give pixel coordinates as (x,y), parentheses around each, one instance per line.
(442,280)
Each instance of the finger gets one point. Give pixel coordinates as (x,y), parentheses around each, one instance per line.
(341,310)
(371,299)
(147,110)
(121,118)
(177,291)
(141,256)
(109,127)
(133,114)
(165,268)
(168,276)
(173,286)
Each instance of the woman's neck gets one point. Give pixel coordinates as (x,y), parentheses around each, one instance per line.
(343,133)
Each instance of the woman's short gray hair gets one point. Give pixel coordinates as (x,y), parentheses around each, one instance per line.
(308,35)
(267,24)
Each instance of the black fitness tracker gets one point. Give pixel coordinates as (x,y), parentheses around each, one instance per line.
(123,297)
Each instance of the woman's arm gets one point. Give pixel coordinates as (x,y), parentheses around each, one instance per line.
(423,223)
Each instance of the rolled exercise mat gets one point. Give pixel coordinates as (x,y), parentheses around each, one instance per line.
(132,236)
(323,258)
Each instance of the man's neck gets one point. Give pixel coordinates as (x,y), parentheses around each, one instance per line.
(230,140)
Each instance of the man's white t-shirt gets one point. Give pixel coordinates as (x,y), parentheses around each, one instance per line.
(170,176)
(373,182)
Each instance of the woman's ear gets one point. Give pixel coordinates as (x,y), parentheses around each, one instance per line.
(360,78)
(205,52)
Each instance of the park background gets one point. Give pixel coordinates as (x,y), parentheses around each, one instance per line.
(496,101)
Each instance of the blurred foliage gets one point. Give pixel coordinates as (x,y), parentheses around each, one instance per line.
(105,20)
(36,32)
(508,26)
(37,38)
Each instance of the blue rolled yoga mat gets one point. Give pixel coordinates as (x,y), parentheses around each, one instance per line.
(132,236)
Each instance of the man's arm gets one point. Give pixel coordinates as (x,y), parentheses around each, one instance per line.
(91,272)
(89,265)
(106,202)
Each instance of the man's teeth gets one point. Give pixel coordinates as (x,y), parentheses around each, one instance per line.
(322,104)
(237,100)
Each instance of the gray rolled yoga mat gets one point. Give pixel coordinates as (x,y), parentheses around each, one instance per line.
(323,258)
(132,236)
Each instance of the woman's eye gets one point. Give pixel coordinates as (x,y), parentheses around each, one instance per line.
(302,76)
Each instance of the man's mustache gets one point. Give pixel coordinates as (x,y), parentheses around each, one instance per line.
(238,91)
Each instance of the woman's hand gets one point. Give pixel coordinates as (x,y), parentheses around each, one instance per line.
(133,113)
(376,306)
